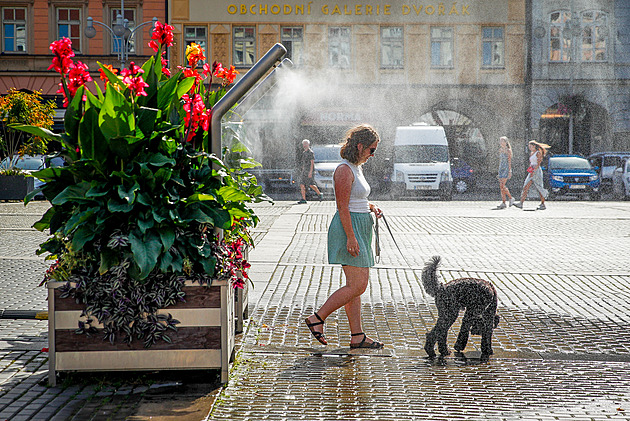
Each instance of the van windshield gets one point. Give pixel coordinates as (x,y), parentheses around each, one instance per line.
(409,154)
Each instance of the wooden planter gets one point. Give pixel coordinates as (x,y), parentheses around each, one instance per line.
(204,338)
(15,187)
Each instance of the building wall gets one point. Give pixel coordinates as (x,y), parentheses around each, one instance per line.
(603,84)
(29,69)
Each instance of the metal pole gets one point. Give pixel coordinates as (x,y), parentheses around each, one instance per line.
(239,89)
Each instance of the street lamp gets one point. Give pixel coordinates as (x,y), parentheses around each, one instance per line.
(120,31)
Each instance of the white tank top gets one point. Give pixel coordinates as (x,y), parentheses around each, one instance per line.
(360,189)
(533,159)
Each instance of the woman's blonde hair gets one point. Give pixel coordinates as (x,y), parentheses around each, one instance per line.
(363,134)
(543,147)
(507,142)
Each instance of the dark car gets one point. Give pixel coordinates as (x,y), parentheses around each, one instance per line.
(463,175)
(571,175)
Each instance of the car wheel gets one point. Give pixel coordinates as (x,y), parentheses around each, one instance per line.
(461,186)
(595,196)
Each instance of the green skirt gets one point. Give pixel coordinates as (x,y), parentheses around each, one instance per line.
(362,224)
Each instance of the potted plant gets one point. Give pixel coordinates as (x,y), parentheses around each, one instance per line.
(147,227)
(24,108)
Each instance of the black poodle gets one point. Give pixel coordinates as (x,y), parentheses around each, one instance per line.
(477,296)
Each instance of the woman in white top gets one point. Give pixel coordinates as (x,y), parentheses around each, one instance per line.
(350,236)
(535,175)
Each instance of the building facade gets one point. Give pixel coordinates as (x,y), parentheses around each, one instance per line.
(458,64)
(28,28)
(581,74)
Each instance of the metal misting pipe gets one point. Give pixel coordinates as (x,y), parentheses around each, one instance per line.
(239,89)
(260,89)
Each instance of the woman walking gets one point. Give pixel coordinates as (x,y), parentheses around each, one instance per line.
(350,236)
(535,176)
(505,170)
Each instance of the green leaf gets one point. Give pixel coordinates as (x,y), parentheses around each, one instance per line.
(160,160)
(128,194)
(72,193)
(184,86)
(109,259)
(167,92)
(199,197)
(145,224)
(146,250)
(116,118)
(111,77)
(82,235)
(72,117)
(44,222)
(167,236)
(232,194)
(37,131)
(91,140)
(114,206)
(146,120)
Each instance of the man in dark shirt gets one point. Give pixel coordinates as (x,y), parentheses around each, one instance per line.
(307,168)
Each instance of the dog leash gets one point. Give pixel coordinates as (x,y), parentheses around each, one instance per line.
(378,244)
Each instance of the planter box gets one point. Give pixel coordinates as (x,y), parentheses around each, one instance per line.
(204,338)
(15,187)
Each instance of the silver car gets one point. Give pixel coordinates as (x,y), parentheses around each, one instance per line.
(327,158)
(621,181)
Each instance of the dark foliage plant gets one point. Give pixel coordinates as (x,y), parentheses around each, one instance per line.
(142,205)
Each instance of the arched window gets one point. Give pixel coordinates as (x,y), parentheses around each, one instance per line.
(594,36)
(560,36)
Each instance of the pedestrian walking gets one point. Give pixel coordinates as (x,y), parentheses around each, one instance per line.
(306,173)
(350,236)
(535,176)
(505,170)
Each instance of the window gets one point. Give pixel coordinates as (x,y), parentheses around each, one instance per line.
(442,47)
(14,29)
(392,53)
(197,35)
(69,26)
(492,46)
(293,40)
(244,46)
(560,36)
(594,36)
(118,42)
(339,47)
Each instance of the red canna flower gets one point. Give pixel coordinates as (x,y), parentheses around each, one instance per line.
(111,69)
(165,69)
(63,51)
(163,34)
(196,115)
(228,76)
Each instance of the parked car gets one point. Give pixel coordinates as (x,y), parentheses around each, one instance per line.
(571,175)
(463,175)
(27,164)
(327,158)
(621,181)
(605,163)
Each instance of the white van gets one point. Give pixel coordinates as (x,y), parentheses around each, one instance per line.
(421,161)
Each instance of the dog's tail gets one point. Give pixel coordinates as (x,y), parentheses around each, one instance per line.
(429,276)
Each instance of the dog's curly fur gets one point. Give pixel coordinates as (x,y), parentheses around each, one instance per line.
(477,296)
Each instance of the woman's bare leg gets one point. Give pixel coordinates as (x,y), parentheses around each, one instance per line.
(348,296)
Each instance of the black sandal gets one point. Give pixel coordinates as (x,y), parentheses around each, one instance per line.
(372,345)
(318,335)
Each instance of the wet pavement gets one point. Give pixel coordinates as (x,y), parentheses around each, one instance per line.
(562,348)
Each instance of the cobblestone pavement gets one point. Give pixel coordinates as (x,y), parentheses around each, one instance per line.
(562,349)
